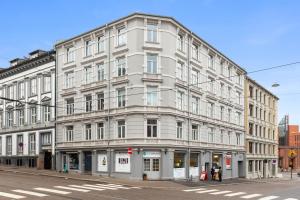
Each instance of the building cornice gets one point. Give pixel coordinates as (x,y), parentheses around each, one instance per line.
(28,64)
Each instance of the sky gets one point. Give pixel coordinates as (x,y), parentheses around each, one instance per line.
(255,34)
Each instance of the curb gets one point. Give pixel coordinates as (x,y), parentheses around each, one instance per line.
(90,180)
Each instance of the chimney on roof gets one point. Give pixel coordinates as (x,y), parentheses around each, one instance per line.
(16,61)
(36,53)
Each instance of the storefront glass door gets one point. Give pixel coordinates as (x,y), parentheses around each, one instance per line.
(152,168)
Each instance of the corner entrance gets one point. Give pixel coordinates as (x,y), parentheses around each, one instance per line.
(151,161)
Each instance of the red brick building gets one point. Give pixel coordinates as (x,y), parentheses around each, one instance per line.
(291,141)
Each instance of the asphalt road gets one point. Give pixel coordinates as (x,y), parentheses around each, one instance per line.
(21,186)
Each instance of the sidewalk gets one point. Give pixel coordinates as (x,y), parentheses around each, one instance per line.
(100,179)
(178,184)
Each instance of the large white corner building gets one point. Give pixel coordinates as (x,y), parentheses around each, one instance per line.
(146,83)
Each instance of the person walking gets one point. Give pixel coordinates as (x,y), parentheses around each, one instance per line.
(212,172)
(220,174)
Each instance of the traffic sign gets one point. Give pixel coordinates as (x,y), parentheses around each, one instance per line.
(292,154)
(129,150)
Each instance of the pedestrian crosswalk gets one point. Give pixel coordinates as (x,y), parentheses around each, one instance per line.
(227,193)
(39,192)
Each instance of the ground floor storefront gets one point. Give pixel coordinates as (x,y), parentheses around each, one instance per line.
(33,149)
(262,168)
(45,160)
(19,161)
(151,163)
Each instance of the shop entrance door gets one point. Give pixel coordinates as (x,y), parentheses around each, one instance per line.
(88,161)
(47,160)
(152,168)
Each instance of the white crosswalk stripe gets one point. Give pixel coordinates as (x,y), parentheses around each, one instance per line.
(86,187)
(13,196)
(115,186)
(269,198)
(100,186)
(193,190)
(37,194)
(221,192)
(235,194)
(250,196)
(52,191)
(207,191)
(71,188)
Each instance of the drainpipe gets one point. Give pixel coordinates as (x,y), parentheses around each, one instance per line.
(189,113)
(108,109)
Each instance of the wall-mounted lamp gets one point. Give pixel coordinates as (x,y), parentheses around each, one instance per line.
(166,151)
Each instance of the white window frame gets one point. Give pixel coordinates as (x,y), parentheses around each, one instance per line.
(195,105)
(70,54)
(152,63)
(121,36)
(69,79)
(69,133)
(195,51)
(195,132)
(151,127)
(88,74)
(100,72)
(100,131)
(121,97)
(87,48)
(70,106)
(21,119)
(33,86)
(121,66)
(88,132)
(32,143)
(180,100)
(179,130)
(21,88)
(152,95)
(100,43)
(152,32)
(180,70)
(47,112)
(33,114)
(9,145)
(121,129)
(88,103)
(46,83)
(100,101)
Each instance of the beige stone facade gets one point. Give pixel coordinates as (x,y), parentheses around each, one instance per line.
(261,131)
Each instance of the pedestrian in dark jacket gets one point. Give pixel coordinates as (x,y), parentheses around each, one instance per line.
(220,174)
(212,172)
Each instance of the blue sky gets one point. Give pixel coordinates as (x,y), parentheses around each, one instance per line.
(254,33)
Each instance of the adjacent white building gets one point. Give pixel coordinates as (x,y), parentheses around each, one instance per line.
(27,111)
(147,83)
(261,131)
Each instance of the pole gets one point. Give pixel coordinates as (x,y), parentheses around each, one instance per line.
(292,164)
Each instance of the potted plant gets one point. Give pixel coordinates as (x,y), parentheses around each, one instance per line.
(144,176)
